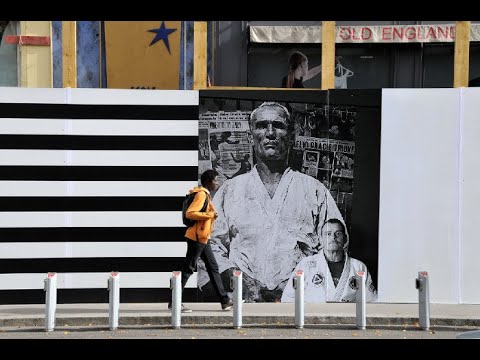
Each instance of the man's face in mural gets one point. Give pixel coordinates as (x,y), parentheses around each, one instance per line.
(333,237)
(270,134)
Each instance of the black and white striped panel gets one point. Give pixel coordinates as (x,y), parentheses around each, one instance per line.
(92,181)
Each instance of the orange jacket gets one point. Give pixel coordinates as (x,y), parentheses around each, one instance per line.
(203,227)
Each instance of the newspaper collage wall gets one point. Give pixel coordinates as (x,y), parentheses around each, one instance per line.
(324,141)
(323,144)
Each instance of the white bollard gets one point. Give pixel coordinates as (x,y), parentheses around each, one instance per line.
(361,300)
(421,283)
(50,287)
(176,286)
(298,285)
(237,299)
(114,299)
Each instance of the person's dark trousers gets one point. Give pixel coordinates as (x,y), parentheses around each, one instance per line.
(196,250)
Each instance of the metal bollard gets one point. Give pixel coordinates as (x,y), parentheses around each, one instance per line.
(176,286)
(360,300)
(114,299)
(50,300)
(237,299)
(421,283)
(298,285)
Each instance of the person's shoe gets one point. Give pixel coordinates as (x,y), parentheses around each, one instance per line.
(228,305)
(183,309)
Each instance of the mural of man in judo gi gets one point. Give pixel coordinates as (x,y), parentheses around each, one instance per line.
(328,274)
(269,218)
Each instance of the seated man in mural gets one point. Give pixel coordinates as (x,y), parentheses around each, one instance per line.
(328,274)
(269,218)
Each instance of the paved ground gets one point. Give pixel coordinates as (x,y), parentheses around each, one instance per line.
(260,320)
(224,332)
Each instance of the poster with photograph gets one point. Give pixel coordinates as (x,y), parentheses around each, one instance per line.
(310,163)
(336,157)
(326,160)
(203,146)
(287,171)
(228,138)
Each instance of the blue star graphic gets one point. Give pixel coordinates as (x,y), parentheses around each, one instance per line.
(162,34)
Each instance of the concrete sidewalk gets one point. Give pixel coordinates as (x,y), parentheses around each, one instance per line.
(253,314)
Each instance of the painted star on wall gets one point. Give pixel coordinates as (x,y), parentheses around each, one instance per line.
(162,34)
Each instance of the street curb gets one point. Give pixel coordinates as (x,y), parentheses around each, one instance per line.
(260,320)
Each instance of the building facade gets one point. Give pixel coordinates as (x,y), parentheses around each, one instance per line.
(424,58)
(382,54)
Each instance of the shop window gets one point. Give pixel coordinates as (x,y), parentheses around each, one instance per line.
(474,71)
(438,62)
(357,67)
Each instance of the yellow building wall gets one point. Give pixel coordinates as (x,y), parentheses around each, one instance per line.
(36,61)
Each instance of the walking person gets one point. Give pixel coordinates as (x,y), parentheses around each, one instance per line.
(197,237)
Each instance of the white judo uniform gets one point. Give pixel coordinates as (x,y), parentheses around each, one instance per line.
(264,236)
(318,282)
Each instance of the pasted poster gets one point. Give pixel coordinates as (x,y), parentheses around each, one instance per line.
(310,163)
(226,136)
(289,205)
(142,54)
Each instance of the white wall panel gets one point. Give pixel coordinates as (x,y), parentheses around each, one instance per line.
(21,126)
(470,199)
(134,127)
(99,127)
(32,95)
(92,249)
(134,97)
(95,188)
(92,219)
(419,193)
(99,157)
